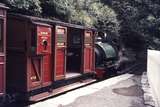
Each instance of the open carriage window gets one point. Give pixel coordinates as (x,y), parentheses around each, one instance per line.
(1,36)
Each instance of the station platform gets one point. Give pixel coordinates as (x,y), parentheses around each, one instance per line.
(120,91)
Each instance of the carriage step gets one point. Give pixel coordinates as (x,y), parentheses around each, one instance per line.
(61,90)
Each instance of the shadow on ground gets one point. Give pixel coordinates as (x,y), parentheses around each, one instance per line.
(127,93)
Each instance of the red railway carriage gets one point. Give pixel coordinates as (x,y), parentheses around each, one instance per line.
(44,53)
(3,12)
(28,54)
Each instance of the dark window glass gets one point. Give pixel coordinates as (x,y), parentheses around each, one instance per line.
(33,38)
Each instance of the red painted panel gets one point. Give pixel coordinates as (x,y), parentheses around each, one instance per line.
(36,76)
(100,72)
(1,78)
(43,40)
(60,51)
(88,52)
(60,62)
(47,75)
(1,59)
(88,59)
(2,46)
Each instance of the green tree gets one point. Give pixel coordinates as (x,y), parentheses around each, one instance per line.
(90,13)
(106,18)
(140,19)
(57,8)
(25,6)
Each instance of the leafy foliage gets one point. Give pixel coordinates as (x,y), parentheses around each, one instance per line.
(25,6)
(106,18)
(140,20)
(91,13)
(56,8)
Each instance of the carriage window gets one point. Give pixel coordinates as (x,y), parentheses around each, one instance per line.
(76,37)
(88,38)
(61,35)
(1,36)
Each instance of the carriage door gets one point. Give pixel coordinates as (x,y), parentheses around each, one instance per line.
(60,52)
(44,49)
(88,63)
(41,58)
(2,57)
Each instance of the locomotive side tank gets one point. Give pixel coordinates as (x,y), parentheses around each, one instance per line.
(104,52)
